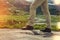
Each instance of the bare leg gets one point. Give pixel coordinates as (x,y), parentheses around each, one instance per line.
(46,12)
(33,13)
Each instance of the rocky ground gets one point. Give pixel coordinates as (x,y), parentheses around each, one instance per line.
(18,34)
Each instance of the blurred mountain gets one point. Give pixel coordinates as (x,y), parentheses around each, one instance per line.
(24,5)
(19,4)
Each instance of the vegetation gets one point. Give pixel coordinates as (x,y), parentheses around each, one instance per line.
(16,21)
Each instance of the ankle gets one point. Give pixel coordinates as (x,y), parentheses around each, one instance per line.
(46,30)
(29,27)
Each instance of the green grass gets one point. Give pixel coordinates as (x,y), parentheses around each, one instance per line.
(16,21)
(54,18)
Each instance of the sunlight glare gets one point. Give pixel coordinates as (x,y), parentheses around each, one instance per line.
(58,25)
(30,0)
(57,2)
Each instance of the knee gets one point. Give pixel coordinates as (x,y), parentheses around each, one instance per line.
(33,7)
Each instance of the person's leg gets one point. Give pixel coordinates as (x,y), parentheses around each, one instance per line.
(46,12)
(31,20)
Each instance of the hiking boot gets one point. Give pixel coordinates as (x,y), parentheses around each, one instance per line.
(28,27)
(46,30)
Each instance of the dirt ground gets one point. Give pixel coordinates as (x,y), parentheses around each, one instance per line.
(17,34)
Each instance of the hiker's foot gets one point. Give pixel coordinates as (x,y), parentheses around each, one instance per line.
(46,30)
(28,27)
